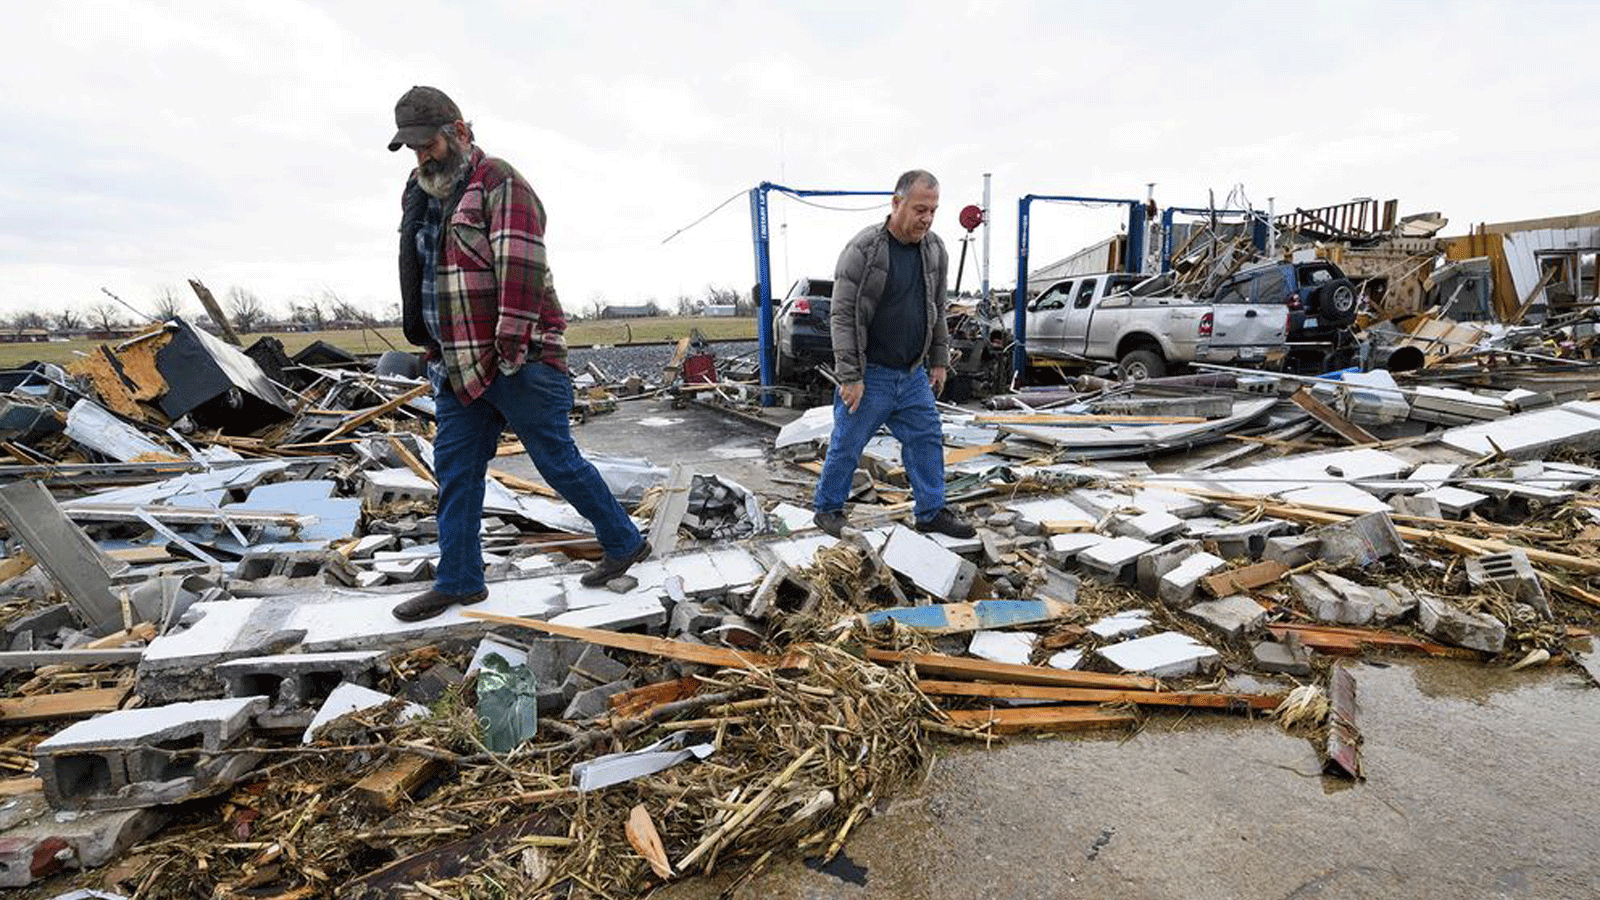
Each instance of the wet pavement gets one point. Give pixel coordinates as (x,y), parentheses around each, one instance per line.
(1480,783)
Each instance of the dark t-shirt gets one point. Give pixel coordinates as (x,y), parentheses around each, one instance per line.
(900,322)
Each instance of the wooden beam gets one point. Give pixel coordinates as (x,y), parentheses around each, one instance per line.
(1202,699)
(1344,640)
(214,310)
(1040,718)
(682,650)
(960,667)
(391,784)
(954,455)
(1245,578)
(361,419)
(1325,414)
(635,703)
(70,705)
(12,787)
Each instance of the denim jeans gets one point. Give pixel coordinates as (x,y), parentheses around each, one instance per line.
(534,401)
(903,400)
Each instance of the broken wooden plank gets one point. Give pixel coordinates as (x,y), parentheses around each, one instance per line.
(955,455)
(449,860)
(1234,581)
(1344,739)
(12,566)
(392,783)
(1348,640)
(69,705)
(12,787)
(411,461)
(1066,526)
(1201,699)
(682,650)
(954,618)
(1041,718)
(214,310)
(633,703)
(670,510)
(363,418)
(1325,414)
(961,667)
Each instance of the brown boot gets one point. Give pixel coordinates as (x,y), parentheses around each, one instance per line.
(431,602)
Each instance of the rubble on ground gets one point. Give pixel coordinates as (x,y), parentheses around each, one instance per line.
(203,667)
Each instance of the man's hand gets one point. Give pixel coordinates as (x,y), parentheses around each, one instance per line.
(851,394)
(936,379)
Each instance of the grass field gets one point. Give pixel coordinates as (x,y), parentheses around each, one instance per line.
(598,331)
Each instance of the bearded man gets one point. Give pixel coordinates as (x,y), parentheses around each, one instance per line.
(476,292)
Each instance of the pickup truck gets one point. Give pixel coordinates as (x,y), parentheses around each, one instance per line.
(1146,335)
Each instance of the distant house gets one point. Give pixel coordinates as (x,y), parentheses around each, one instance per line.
(25,336)
(720,309)
(628,312)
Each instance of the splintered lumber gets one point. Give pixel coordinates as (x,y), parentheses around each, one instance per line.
(452,859)
(214,310)
(1325,414)
(1010,673)
(69,705)
(681,650)
(12,787)
(363,418)
(635,703)
(1202,699)
(1041,718)
(1066,526)
(954,455)
(391,784)
(1347,640)
(1344,738)
(1233,581)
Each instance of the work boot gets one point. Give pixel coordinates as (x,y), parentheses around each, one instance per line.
(833,522)
(431,602)
(610,566)
(945,522)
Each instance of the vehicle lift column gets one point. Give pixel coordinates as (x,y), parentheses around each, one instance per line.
(1133,263)
(760,236)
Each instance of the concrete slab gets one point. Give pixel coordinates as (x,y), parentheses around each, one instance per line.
(1232,617)
(1114,559)
(1181,585)
(1124,623)
(1454,502)
(1014,647)
(1531,435)
(928,565)
(1170,654)
(1150,526)
(1450,624)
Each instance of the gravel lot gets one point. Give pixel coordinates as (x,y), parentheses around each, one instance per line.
(646,360)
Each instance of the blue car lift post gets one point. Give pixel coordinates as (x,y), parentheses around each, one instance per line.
(1019,301)
(761,237)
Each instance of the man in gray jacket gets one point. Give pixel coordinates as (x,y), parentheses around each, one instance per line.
(890,350)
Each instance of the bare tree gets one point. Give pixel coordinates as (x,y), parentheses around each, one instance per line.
(651,308)
(686,305)
(68,319)
(309,312)
(27,320)
(105,316)
(245,309)
(169,303)
(594,305)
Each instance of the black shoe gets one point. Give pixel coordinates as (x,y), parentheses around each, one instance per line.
(610,566)
(430,603)
(945,522)
(831,522)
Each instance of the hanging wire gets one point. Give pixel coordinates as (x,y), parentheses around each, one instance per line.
(714,211)
(835,208)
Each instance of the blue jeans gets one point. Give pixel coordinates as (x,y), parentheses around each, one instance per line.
(534,401)
(903,400)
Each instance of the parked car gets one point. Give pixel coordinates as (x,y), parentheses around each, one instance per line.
(1322,307)
(804,340)
(1147,331)
(1048,313)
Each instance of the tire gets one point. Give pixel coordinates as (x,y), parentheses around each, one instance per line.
(783,367)
(1139,365)
(1336,302)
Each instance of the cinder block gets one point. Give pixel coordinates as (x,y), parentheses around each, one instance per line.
(1512,573)
(1230,617)
(1168,654)
(929,566)
(382,487)
(43,842)
(155,755)
(1150,567)
(297,683)
(1179,586)
(1114,561)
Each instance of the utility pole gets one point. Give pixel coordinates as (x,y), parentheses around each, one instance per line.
(986,177)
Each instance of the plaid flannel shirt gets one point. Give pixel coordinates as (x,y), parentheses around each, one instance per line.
(496,301)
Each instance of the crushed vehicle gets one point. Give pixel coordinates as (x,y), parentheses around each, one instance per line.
(1148,332)
(979,339)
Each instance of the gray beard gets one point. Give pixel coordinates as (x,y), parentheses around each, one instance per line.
(439,179)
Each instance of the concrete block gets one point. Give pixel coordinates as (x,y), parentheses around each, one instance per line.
(1154,526)
(692,617)
(1341,601)
(596,665)
(1015,647)
(44,842)
(1512,573)
(1293,550)
(1245,541)
(348,698)
(1230,617)
(1064,548)
(1283,659)
(1450,624)
(1426,507)
(151,756)
(382,487)
(1454,502)
(592,703)
(1360,541)
(432,685)
(1168,654)
(297,683)
(372,543)
(1002,519)
(1113,561)
(1149,568)
(1180,585)
(1123,623)
(928,565)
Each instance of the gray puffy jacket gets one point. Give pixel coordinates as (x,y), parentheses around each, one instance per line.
(858,283)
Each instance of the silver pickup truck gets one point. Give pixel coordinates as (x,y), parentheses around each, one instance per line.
(1095,318)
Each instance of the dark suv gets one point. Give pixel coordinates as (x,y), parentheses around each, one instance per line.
(1322,306)
(801,330)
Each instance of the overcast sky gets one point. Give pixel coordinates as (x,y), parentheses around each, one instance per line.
(244,143)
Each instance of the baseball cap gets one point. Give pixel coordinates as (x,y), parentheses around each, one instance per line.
(419,115)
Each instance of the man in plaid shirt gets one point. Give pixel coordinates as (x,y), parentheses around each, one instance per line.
(476,292)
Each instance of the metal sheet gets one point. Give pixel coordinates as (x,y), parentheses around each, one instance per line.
(64,550)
